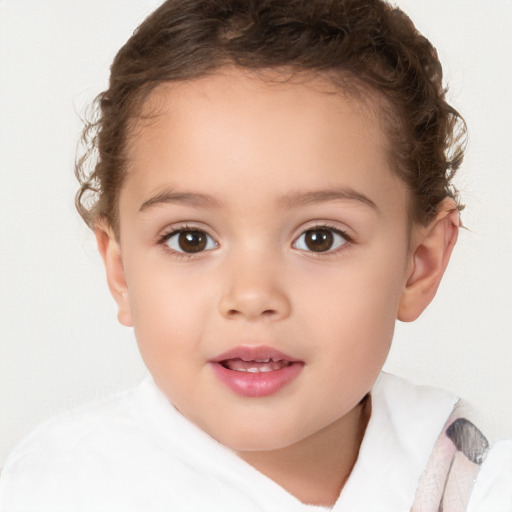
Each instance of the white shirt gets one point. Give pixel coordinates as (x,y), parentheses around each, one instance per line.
(135,452)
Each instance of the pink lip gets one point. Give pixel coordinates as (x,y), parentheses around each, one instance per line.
(256,384)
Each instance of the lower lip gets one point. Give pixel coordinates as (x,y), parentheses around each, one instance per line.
(257,384)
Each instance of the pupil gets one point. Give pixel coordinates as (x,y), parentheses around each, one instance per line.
(319,240)
(192,241)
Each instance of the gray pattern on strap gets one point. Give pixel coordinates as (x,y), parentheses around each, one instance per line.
(469,440)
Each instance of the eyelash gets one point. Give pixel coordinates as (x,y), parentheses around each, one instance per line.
(327,227)
(163,239)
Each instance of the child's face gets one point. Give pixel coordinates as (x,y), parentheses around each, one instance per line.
(301,238)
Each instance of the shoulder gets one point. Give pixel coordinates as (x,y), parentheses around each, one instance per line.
(62,456)
(450,452)
(64,435)
(414,409)
(462,465)
(493,488)
(405,422)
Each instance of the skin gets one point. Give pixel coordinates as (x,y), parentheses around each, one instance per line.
(268,157)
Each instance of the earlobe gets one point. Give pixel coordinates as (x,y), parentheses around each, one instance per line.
(110,251)
(430,254)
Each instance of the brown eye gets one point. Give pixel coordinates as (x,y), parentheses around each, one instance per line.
(190,241)
(320,240)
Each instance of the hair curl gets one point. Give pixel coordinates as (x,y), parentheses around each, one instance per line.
(363,42)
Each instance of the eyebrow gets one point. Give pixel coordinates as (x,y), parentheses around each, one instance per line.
(320,196)
(292,200)
(172,197)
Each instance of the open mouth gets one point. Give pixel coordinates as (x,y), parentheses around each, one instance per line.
(256,366)
(256,371)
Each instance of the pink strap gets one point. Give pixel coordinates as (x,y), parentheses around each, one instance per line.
(451,472)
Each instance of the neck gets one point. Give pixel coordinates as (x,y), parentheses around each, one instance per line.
(315,469)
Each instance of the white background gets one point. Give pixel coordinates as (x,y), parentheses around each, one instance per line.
(60,343)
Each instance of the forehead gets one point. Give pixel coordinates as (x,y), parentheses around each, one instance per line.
(287,94)
(234,129)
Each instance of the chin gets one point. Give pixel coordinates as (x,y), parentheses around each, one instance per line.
(257,439)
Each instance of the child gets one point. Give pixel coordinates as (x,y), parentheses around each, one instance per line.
(273,190)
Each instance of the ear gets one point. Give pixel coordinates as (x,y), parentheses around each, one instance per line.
(110,251)
(430,252)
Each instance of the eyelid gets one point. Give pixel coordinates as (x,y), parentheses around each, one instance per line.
(330,225)
(171,231)
(324,225)
(177,227)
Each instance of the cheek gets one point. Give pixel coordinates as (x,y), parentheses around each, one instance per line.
(354,307)
(359,289)
(353,330)
(168,311)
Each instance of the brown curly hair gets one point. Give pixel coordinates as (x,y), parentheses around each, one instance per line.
(354,43)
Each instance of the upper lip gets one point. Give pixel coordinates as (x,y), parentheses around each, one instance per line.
(254,353)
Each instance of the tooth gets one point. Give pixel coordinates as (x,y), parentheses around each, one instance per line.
(262,360)
(252,370)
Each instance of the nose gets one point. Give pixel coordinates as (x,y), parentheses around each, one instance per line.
(254,291)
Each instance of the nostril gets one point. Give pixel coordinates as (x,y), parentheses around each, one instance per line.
(254,303)
(264,313)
